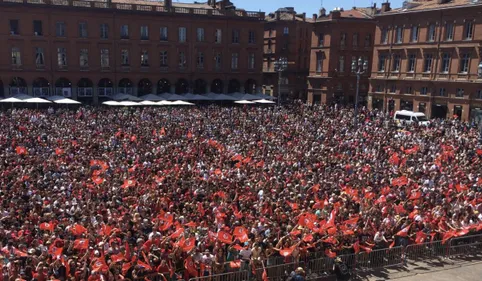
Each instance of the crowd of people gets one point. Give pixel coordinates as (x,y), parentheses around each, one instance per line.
(111,194)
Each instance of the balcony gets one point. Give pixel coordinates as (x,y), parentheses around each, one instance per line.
(259,16)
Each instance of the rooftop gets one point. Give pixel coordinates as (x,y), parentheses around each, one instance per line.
(286,14)
(428,5)
(354,13)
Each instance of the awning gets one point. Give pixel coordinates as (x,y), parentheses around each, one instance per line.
(66,101)
(12,99)
(263,101)
(244,102)
(37,100)
(180,102)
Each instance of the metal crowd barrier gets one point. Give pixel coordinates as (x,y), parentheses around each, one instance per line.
(319,267)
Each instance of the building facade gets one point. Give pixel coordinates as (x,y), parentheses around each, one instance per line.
(90,50)
(426,58)
(286,35)
(338,39)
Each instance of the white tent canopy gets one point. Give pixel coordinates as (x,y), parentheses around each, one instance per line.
(111,103)
(180,102)
(12,99)
(244,102)
(129,103)
(66,101)
(164,102)
(264,101)
(37,100)
(148,102)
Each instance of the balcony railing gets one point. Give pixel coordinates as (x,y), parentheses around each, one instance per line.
(143,8)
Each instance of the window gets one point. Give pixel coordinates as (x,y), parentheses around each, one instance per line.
(355,40)
(414,34)
(393,88)
(163,58)
(464,63)
(396,63)
(411,62)
(200,60)
(286,30)
(60,29)
(321,39)
(163,33)
(251,37)
(235,39)
(84,58)
(381,63)
(16,57)
(125,57)
(104,31)
(408,90)
(442,92)
(14,30)
(270,33)
(478,94)
(182,34)
(445,63)
(427,67)
(319,62)
(61,57)
(124,32)
(469,30)
(341,64)
(399,35)
(182,60)
(423,91)
(37,28)
(200,34)
(218,36)
(83,30)
(431,33)
(368,40)
(104,58)
(379,88)
(144,32)
(343,39)
(251,61)
(234,60)
(353,60)
(449,32)
(144,58)
(384,36)
(459,93)
(39,57)
(217,60)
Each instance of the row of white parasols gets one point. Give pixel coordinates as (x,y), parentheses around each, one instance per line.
(179,102)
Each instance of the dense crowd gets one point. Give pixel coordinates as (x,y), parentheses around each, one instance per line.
(111,194)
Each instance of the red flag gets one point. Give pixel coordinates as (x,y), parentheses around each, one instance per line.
(447,236)
(235,264)
(105,230)
(191,224)
(81,244)
(461,187)
(189,244)
(78,229)
(66,265)
(265,275)
(287,252)
(190,267)
(404,231)
(241,234)
(200,209)
(351,221)
(55,251)
(330,254)
(225,237)
(177,233)
(331,220)
(144,265)
(98,180)
(420,237)
(128,251)
(392,244)
(308,238)
(403,180)
(117,258)
(59,151)
(356,247)
(128,183)
(99,265)
(189,136)
(416,195)
(412,150)
(394,159)
(162,132)
(21,150)
(126,266)
(47,226)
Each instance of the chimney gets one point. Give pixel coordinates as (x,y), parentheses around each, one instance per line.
(385,7)
(335,14)
(211,3)
(322,12)
(315,17)
(278,15)
(304,16)
(167,4)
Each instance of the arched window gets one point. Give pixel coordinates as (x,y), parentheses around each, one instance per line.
(41,87)
(250,86)
(200,87)
(182,86)
(105,88)
(234,86)
(85,88)
(144,87)
(125,86)
(18,86)
(163,86)
(63,87)
(217,86)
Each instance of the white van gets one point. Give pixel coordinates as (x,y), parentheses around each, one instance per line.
(405,117)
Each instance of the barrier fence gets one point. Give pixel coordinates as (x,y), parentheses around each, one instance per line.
(319,268)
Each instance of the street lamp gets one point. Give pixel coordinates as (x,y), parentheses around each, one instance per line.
(358,68)
(280,65)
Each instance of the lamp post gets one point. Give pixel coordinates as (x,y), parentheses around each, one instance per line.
(358,68)
(479,73)
(280,65)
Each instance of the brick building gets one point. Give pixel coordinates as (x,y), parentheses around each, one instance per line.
(90,50)
(426,58)
(338,38)
(288,35)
